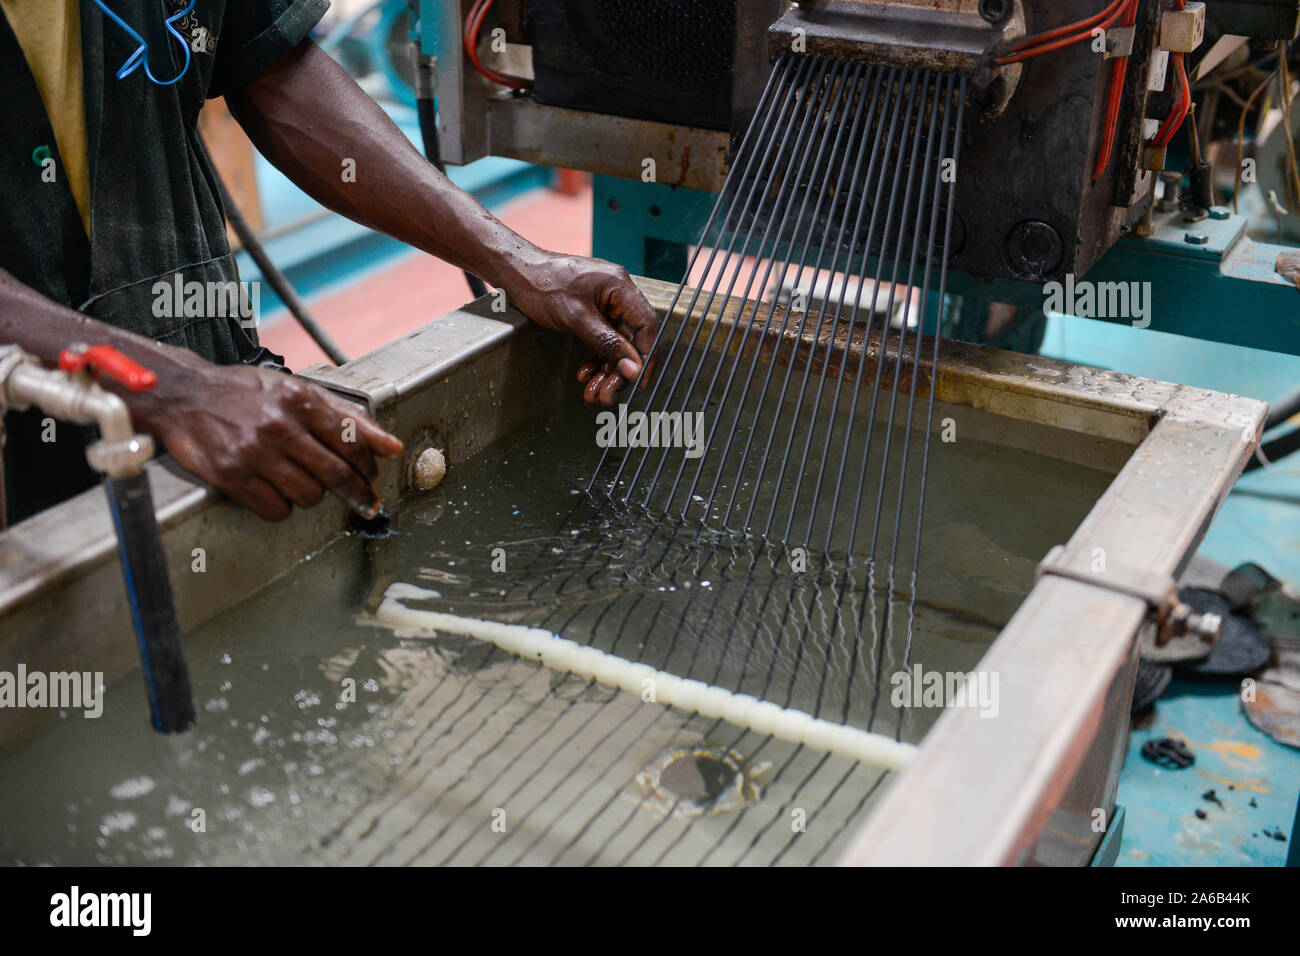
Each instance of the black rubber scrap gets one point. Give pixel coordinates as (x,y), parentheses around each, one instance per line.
(1243,648)
(1168,752)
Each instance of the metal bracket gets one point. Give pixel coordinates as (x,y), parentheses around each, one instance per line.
(1157,589)
(1175,621)
(1119,41)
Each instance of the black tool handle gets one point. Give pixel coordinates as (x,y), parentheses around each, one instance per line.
(149,594)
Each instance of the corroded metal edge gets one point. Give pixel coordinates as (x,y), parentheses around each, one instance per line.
(944,35)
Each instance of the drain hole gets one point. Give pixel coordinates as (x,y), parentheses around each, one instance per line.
(697,778)
(690,782)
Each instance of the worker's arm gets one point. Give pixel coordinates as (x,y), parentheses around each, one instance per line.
(266,439)
(309,118)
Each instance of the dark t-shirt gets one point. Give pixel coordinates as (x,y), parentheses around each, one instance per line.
(154,207)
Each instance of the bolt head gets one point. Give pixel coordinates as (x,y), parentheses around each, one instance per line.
(1207,626)
(995,11)
(1034,248)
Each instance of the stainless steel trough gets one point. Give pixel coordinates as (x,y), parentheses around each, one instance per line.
(1024,788)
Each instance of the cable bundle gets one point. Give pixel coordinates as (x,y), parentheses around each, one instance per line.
(1123,12)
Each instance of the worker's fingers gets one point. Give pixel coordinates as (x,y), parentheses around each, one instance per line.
(260,497)
(229,475)
(609,390)
(603,339)
(602,383)
(337,428)
(627,308)
(346,430)
(591,393)
(332,471)
(382,443)
(294,482)
(603,387)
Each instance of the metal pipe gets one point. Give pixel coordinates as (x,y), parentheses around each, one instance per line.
(426,112)
(274,277)
(84,403)
(120,454)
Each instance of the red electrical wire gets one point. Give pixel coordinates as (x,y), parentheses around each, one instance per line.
(1115,93)
(1048,42)
(1179,113)
(1067,29)
(473,24)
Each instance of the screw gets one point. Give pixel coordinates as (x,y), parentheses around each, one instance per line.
(1169,201)
(1205,626)
(995,11)
(1034,248)
(1184,621)
(1219,212)
(1196,238)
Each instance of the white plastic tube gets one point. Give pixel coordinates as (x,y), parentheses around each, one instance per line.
(557,653)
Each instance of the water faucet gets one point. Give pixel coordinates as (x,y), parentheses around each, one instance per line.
(72,394)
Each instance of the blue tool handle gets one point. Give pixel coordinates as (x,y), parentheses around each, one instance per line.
(149,594)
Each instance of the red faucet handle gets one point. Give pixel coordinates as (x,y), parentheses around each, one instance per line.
(106,360)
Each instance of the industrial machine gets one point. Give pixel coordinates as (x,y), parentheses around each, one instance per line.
(1060,164)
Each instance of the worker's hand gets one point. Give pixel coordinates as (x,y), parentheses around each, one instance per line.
(268,440)
(597,302)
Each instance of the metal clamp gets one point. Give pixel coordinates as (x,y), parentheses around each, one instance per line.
(1119,42)
(1173,618)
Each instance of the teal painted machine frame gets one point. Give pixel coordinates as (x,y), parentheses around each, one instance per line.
(1210,279)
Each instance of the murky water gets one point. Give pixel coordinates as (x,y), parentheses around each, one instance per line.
(326,738)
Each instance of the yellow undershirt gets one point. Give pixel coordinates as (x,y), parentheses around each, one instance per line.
(49,31)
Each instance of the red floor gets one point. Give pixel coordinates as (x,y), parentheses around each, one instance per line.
(402,297)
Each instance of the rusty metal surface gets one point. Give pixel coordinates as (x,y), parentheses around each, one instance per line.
(478,120)
(605,144)
(1288,266)
(944,35)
